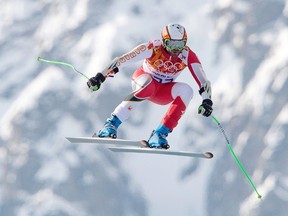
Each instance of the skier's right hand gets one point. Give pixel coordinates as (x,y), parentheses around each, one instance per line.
(94,83)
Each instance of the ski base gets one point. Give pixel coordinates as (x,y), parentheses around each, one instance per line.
(135,146)
(147,150)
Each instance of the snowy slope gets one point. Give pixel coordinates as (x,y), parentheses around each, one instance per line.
(41,173)
(40,104)
(256,114)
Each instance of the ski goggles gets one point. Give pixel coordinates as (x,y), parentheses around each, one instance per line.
(174,44)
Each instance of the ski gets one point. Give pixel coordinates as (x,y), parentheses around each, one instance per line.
(207,155)
(135,146)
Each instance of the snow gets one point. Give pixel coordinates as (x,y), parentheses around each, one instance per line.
(78,15)
(276,134)
(45,202)
(48,170)
(28,97)
(250,204)
(275,61)
(89,34)
(161,184)
(229,81)
(280,79)
(285,11)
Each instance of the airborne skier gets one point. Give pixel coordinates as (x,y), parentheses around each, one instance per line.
(164,59)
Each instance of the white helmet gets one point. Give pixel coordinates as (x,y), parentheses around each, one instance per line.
(174,37)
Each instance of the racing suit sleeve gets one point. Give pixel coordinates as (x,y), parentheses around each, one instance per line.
(140,52)
(199,75)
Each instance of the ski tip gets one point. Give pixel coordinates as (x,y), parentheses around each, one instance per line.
(208,155)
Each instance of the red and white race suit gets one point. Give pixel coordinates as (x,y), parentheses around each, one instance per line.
(155,80)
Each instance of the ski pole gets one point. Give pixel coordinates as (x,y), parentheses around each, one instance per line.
(62,63)
(235,157)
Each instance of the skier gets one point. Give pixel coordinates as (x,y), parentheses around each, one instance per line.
(164,59)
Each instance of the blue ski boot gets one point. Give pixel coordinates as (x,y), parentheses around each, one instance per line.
(110,128)
(158,138)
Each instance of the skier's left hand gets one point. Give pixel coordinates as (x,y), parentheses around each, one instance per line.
(205,108)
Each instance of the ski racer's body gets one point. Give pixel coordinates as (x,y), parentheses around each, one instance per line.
(163,61)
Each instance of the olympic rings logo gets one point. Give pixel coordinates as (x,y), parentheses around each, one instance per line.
(168,66)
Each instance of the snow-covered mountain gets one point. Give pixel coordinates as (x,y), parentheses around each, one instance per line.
(256,115)
(243,48)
